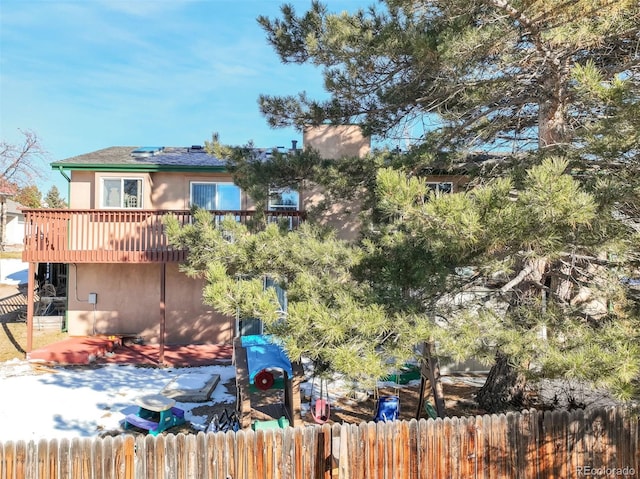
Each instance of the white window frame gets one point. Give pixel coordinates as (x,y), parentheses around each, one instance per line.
(122,179)
(216,183)
(435,186)
(283,207)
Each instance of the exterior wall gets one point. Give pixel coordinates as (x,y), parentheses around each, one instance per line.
(81,189)
(337,141)
(171,191)
(161,191)
(14,232)
(128,304)
(342,217)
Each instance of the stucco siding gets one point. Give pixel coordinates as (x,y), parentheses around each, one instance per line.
(343,217)
(172,191)
(81,190)
(337,141)
(128,304)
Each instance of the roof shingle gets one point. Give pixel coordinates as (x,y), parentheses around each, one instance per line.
(121,155)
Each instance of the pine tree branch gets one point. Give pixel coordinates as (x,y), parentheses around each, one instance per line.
(518,279)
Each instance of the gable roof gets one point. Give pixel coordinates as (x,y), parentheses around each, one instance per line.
(13,208)
(120,158)
(7,188)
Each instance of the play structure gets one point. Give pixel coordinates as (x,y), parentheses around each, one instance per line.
(156,413)
(267,384)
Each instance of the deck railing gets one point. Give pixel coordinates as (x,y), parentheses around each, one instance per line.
(114,236)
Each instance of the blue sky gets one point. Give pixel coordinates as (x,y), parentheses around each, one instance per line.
(88,74)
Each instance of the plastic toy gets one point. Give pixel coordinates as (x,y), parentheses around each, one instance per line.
(156,413)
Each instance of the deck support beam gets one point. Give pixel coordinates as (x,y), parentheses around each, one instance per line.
(163,310)
(30,302)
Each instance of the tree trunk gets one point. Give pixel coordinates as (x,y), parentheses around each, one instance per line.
(431,367)
(552,115)
(504,388)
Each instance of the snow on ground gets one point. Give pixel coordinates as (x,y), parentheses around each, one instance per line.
(65,402)
(84,402)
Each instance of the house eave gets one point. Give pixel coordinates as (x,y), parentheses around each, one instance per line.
(130,168)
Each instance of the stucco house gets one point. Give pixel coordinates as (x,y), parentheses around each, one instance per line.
(108,257)
(108,250)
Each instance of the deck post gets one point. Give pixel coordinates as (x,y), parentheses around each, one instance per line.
(243,402)
(30,302)
(163,310)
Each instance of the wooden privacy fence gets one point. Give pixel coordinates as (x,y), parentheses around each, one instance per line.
(598,443)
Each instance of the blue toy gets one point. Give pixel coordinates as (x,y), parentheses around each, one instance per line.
(388,408)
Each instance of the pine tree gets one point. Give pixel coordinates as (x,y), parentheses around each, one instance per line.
(53,200)
(534,79)
(328,318)
(493,73)
(530,275)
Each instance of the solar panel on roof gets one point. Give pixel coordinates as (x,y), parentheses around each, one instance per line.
(145,151)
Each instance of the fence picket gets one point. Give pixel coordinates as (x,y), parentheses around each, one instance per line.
(246,451)
(454,447)
(230,451)
(278,457)
(309,451)
(75,453)
(170,456)
(260,453)
(297,453)
(499,428)
(191,464)
(488,453)
(42,451)
(8,456)
(161,457)
(251,454)
(325,460)
(213,462)
(221,453)
(64,469)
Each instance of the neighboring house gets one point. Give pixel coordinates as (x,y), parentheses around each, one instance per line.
(122,277)
(14,232)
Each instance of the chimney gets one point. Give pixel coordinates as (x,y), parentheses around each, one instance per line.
(294,144)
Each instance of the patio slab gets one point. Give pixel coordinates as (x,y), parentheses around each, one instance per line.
(101,350)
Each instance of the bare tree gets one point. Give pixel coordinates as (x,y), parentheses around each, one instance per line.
(23,163)
(20,165)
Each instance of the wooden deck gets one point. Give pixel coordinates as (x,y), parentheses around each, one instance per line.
(114,236)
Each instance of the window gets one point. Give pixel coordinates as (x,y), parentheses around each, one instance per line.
(215,196)
(444,187)
(283,199)
(122,193)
